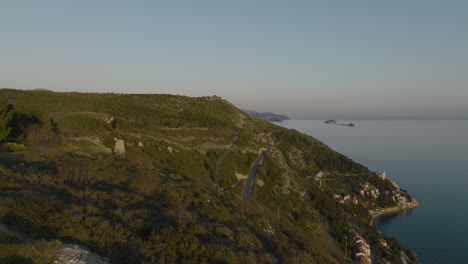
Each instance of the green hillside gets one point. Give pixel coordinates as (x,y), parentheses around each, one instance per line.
(62,180)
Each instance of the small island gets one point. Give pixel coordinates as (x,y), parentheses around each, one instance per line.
(333,122)
(349,125)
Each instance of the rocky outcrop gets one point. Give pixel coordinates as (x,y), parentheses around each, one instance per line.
(74,254)
(119,148)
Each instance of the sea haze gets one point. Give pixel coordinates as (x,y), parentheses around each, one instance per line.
(426,157)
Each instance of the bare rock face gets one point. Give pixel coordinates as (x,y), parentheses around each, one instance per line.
(74,254)
(260,183)
(119,148)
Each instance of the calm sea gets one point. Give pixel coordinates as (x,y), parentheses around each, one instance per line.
(429,158)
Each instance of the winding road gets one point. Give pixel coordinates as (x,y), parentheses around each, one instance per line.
(234,186)
(253,171)
(218,166)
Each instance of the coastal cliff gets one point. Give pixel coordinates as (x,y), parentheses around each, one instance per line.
(172,191)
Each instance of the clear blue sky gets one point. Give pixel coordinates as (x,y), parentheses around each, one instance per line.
(357,58)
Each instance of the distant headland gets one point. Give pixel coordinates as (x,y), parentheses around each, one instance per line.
(268,116)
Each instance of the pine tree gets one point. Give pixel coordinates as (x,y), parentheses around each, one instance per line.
(6,115)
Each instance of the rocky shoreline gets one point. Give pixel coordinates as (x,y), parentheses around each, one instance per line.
(401,208)
(405,202)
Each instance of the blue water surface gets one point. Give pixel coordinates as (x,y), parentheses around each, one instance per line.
(429,158)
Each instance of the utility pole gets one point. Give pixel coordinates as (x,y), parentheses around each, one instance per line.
(346,247)
(278,215)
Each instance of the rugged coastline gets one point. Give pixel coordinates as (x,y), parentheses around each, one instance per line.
(405,203)
(402,208)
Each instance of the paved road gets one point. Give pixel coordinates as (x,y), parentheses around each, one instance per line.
(253,171)
(218,166)
(234,186)
(403,260)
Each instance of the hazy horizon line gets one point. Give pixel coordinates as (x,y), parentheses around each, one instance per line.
(389,118)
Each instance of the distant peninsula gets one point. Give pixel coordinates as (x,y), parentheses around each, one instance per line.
(268,116)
